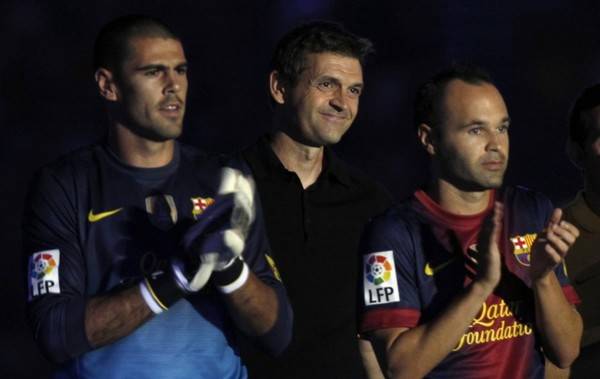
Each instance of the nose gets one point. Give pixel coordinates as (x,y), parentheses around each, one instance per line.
(338,100)
(496,142)
(172,84)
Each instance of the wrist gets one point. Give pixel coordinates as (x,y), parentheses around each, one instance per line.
(233,277)
(482,289)
(543,280)
(160,291)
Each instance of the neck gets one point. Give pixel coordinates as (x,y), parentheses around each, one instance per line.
(138,151)
(456,201)
(305,161)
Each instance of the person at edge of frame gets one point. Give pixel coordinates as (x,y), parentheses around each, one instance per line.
(583,261)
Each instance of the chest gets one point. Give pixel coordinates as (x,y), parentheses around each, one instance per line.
(131,226)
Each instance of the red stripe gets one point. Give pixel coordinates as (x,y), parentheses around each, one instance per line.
(389,318)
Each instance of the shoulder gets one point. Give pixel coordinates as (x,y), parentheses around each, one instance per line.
(525,207)
(398,229)
(365,181)
(55,187)
(259,157)
(254,149)
(358,180)
(524,197)
(399,218)
(206,162)
(191,154)
(77,157)
(71,164)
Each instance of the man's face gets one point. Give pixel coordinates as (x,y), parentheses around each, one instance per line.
(324,101)
(472,147)
(152,87)
(591,160)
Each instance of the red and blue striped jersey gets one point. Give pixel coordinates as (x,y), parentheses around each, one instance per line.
(415,258)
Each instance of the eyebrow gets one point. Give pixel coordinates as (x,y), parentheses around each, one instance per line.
(477,122)
(337,81)
(159,66)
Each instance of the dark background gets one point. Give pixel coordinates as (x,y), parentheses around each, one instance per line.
(540,53)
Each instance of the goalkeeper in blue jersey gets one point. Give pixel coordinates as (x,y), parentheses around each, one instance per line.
(145,255)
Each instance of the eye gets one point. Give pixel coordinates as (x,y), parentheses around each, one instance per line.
(181,70)
(325,85)
(152,72)
(475,131)
(503,128)
(354,92)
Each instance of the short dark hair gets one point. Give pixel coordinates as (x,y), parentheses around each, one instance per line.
(578,126)
(316,37)
(110,48)
(427,107)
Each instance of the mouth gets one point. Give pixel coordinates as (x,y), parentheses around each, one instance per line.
(494,165)
(171,109)
(337,117)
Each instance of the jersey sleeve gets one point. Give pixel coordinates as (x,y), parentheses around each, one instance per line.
(546,206)
(389,295)
(55,269)
(568,289)
(257,254)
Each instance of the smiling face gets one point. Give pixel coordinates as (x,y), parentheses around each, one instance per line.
(471,146)
(323,103)
(151,89)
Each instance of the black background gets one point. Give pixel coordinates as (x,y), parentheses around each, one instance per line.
(540,53)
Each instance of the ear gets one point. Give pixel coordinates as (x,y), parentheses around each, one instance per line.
(106,84)
(576,154)
(277,87)
(427,138)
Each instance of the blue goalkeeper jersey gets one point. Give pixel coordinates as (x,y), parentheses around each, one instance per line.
(94,225)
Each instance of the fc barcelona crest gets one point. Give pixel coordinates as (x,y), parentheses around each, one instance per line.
(522,248)
(199,204)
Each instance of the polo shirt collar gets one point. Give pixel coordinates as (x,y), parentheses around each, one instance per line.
(263,159)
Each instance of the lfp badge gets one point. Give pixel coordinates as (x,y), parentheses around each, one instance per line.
(380,284)
(43,273)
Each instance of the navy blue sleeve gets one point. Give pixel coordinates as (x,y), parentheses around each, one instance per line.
(258,257)
(55,268)
(533,208)
(390,293)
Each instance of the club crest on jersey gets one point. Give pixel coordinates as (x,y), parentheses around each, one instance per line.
(162,211)
(522,248)
(379,283)
(199,205)
(43,273)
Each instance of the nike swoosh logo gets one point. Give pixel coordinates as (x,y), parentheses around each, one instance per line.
(430,271)
(99,216)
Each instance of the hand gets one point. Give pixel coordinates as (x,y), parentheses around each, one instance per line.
(551,245)
(486,262)
(216,241)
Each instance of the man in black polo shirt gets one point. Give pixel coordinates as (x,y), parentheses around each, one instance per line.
(315,206)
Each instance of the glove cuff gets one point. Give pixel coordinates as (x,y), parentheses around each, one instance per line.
(232,278)
(160,291)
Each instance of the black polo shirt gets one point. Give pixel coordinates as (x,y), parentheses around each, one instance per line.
(314,235)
